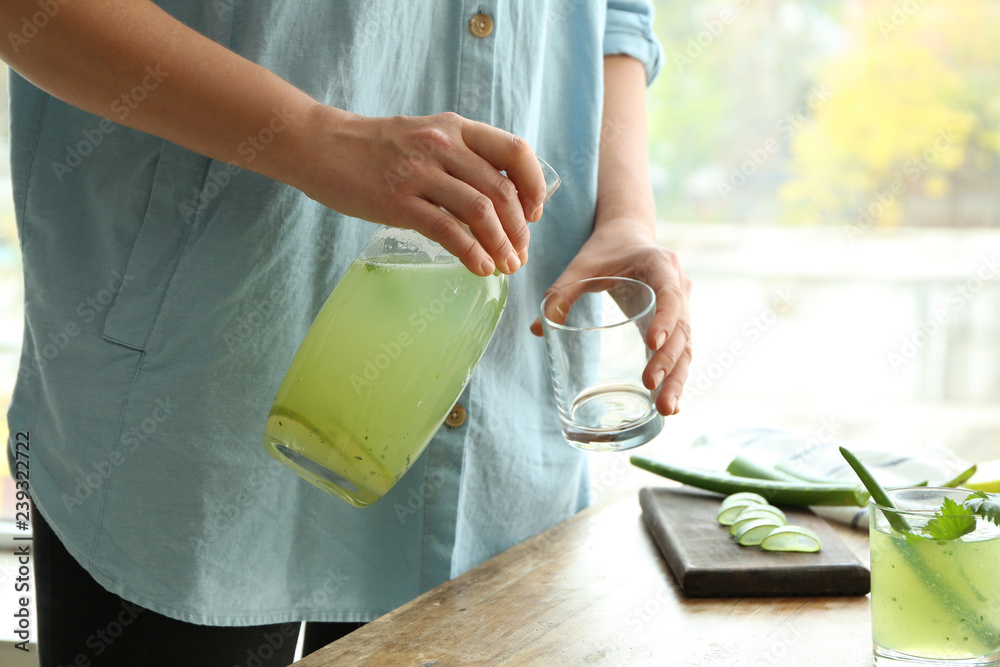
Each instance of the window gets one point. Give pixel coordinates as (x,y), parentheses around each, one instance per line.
(828,172)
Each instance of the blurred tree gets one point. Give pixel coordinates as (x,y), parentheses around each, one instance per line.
(733,90)
(911,134)
(855,112)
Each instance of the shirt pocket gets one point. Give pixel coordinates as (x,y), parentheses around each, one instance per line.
(170,216)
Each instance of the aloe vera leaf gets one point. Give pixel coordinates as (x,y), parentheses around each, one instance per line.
(744,466)
(778,492)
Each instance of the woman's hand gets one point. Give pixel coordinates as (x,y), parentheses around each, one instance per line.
(616,249)
(397,171)
(623,242)
(431,174)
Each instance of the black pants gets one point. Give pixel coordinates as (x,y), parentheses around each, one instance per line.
(80,624)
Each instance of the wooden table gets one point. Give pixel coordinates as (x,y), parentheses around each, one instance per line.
(594,590)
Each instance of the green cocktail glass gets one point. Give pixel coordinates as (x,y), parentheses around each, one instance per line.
(934,602)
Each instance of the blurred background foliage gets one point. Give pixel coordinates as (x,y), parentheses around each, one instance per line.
(871,112)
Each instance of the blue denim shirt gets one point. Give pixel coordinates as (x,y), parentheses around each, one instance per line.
(167,292)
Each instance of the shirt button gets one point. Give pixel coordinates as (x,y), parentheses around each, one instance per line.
(481,25)
(456,417)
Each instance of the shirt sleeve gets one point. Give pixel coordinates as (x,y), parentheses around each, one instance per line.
(629,31)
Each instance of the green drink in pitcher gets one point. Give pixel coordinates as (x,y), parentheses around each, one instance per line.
(382,365)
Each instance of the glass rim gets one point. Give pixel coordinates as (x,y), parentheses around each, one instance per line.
(604,327)
(942,491)
(552,178)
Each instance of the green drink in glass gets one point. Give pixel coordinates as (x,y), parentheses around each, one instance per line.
(935,588)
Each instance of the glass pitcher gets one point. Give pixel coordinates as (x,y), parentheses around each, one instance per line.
(383,363)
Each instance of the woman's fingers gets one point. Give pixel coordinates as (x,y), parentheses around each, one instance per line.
(511,154)
(668,368)
(669,332)
(661,270)
(455,164)
(441,227)
(485,200)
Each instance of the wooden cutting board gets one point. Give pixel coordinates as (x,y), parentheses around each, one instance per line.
(707,562)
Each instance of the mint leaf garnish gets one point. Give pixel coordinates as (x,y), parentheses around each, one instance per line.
(951,522)
(985,505)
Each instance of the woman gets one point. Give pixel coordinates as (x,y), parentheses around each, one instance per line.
(191,179)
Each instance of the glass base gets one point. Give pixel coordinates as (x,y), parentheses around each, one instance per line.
(614,440)
(885,657)
(321,476)
(610,418)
